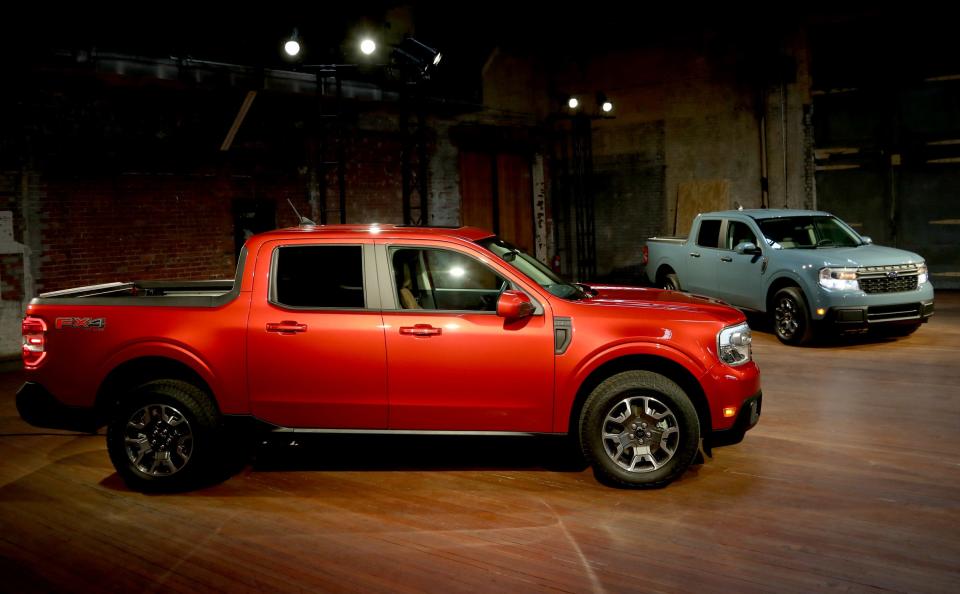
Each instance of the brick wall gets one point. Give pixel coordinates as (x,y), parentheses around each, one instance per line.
(145,227)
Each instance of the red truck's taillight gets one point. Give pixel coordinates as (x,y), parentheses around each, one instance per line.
(646,255)
(34,341)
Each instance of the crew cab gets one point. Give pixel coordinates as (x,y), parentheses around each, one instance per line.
(373,329)
(803,268)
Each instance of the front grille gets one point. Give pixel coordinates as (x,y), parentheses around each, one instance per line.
(888,279)
(890,313)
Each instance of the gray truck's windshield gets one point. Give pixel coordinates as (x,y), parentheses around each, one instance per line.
(808,233)
(533,268)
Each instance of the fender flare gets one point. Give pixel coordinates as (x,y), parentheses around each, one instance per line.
(572,395)
(158,348)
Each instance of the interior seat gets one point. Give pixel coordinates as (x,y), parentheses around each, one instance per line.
(407,298)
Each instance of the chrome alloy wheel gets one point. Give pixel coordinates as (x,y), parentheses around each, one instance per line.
(786,317)
(640,434)
(159,440)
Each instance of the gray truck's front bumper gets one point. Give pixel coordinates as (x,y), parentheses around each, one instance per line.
(858,310)
(865,316)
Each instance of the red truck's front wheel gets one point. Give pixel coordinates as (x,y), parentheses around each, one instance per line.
(163,436)
(639,429)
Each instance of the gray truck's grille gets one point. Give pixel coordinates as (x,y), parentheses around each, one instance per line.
(888,279)
(890,313)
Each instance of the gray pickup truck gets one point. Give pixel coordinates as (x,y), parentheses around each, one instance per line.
(804,268)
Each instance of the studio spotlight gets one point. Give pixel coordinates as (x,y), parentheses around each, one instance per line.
(573,103)
(606,106)
(368,46)
(416,54)
(292,46)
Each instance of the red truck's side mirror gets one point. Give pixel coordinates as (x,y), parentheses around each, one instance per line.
(513,305)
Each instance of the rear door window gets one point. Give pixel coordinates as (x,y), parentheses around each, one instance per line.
(709,233)
(319,276)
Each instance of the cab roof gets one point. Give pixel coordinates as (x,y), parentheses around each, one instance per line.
(769,213)
(381,231)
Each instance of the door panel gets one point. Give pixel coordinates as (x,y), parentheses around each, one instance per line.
(739,280)
(475,373)
(702,259)
(463,370)
(313,367)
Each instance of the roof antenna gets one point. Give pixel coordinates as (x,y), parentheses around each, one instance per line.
(304,221)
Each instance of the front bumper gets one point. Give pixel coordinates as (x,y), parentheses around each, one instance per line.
(865,316)
(748,417)
(40,408)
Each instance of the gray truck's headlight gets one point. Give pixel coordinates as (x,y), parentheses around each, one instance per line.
(922,276)
(733,344)
(842,279)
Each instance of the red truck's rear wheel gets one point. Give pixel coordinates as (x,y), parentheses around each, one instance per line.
(639,429)
(164,435)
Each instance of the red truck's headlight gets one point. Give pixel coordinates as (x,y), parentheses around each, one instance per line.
(34,341)
(733,344)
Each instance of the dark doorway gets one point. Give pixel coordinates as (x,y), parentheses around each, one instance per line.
(251,217)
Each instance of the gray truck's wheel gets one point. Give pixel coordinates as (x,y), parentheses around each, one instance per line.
(671,282)
(639,429)
(791,319)
(164,435)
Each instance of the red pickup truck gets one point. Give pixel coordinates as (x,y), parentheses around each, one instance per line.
(374,329)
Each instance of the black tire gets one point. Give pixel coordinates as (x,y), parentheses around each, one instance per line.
(174,431)
(790,317)
(629,465)
(670,282)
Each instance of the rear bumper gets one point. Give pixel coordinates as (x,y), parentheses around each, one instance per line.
(748,417)
(40,408)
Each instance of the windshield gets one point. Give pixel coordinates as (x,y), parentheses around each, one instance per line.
(533,268)
(808,233)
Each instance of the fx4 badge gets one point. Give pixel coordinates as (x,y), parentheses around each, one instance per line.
(82,323)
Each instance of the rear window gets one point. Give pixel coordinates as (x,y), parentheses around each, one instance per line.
(319,276)
(709,233)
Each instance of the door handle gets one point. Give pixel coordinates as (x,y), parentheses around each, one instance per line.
(286,327)
(695,254)
(726,259)
(421,330)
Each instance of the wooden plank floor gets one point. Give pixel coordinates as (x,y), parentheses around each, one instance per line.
(851,482)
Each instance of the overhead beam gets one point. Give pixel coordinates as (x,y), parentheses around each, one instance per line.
(238,121)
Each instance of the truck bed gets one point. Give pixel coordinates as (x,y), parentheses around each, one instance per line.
(678,239)
(206,293)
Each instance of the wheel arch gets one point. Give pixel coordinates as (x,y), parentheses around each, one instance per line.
(139,370)
(642,362)
(662,271)
(776,285)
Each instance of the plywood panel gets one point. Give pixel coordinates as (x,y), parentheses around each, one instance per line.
(476,189)
(695,197)
(515,195)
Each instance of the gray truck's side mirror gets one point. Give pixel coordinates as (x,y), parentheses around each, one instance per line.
(747,247)
(867,240)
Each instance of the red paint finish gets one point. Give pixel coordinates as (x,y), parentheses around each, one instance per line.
(477,375)
(315,368)
(382,367)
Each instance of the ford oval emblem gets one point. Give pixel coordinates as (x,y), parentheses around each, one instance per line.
(893,274)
